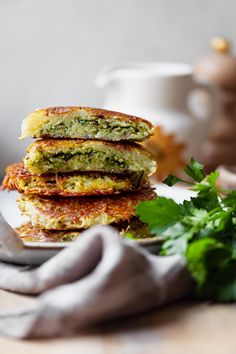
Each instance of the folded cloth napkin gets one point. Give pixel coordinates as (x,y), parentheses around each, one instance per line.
(96,278)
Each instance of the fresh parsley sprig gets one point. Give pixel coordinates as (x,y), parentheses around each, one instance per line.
(202,229)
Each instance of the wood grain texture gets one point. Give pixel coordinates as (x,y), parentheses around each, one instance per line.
(178,329)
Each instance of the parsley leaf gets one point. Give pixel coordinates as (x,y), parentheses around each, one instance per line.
(195,170)
(230,199)
(176,240)
(171,180)
(214,269)
(159,214)
(200,253)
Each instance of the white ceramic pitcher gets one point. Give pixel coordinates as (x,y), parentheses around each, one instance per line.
(160,92)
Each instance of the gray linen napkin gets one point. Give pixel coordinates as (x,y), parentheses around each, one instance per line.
(96,278)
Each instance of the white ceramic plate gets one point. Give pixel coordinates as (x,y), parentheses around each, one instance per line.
(39,252)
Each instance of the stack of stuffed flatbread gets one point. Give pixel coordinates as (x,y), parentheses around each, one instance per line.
(83,169)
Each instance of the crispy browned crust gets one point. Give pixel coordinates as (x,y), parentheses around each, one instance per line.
(98,112)
(16,173)
(29,233)
(13,172)
(46,144)
(118,208)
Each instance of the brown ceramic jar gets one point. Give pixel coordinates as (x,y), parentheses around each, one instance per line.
(219,68)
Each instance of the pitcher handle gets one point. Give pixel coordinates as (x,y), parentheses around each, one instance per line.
(214,102)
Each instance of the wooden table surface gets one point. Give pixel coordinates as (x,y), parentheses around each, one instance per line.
(177,329)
